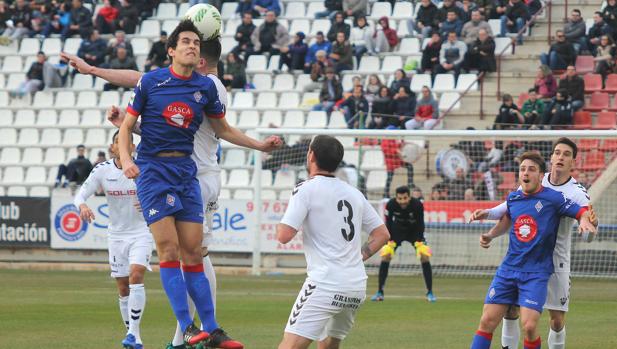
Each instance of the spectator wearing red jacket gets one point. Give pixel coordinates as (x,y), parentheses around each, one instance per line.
(105,19)
(427,112)
(384,39)
(391,149)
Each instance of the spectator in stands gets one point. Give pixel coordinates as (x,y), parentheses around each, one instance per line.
(416,193)
(452,24)
(597,31)
(498,9)
(384,39)
(146,8)
(575,30)
(270,36)
(448,5)
(426,20)
(610,15)
(355,81)
(60,20)
(41,17)
(260,8)
(559,111)
(486,188)
(235,73)
(294,54)
(393,158)
(119,40)
(427,112)
(332,7)
(574,85)
(561,54)
(381,113)
(451,56)
(355,8)
(459,185)
(93,49)
(360,35)
(400,79)
(337,26)
(76,171)
(320,45)
(106,18)
(34,77)
(514,19)
(404,105)
(481,54)
(318,71)
(435,192)
(243,35)
(121,61)
(100,157)
(493,156)
(467,7)
(354,107)
(584,180)
(5,15)
(430,54)
(534,6)
(605,56)
(331,92)
(128,17)
(373,86)
(545,84)
(342,55)
(533,110)
(81,21)
(509,116)
(157,57)
(19,24)
(469,195)
(470,30)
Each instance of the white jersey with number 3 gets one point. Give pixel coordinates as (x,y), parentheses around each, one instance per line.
(332,215)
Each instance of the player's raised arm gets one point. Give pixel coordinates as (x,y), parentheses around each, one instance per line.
(233,135)
(119,77)
(116,116)
(494,213)
(87,189)
(497,230)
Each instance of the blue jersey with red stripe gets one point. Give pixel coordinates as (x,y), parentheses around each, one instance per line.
(172,108)
(535,221)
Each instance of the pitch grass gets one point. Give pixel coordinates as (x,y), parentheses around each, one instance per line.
(62,310)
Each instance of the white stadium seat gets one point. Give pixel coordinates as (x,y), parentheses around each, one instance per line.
(266,100)
(228,10)
(44,99)
(86,99)
(409,46)
(29,47)
(243,100)
(372,159)
(10,156)
(289,100)
(71,45)
(420,80)
(35,175)
(28,136)
(231,26)
(391,63)
(13,174)
(300,25)
(466,80)
(150,28)
(284,179)
(352,157)
(322,25)
(69,118)
(303,80)
(262,82)
(295,10)
(73,136)
(18,191)
(232,117)
(225,194)
(283,82)
(256,64)
(227,44)
(169,25)
(33,156)
(99,84)
(234,158)
(271,117)
(96,137)
(243,194)
(337,120)
(65,99)
(82,82)
(91,117)
(47,117)
(293,119)
(24,117)
(495,25)
(4,97)
(12,64)
(166,10)
(109,98)
(500,45)
(238,178)
(316,119)
(141,46)
(402,10)
(369,64)
(54,156)
(381,9)
(443,83)
(376,180)
(248,119)
(6,119)
(51,46)
(8,136)
(38,191)
(314,7)
(266,178)
(182,9)
(15,79)
(447,99)
(50,136)
(273,63)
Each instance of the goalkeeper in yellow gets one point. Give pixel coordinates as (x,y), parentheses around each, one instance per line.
(405,222)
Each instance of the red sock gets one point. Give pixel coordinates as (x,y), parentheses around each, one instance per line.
(536,344)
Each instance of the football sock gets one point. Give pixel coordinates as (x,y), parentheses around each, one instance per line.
(209,271)
(199,290)
(510,333)
(123,302)
(175,288)
(179,336)
(535,344)
(428,275)
(137,303)
(482,340)
(383,274)
(557,340)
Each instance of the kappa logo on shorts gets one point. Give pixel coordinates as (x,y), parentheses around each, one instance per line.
(491,293)
(171,200)
(152,212)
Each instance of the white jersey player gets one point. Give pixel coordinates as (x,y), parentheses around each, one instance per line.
(332,215)
(558,296)
(129,240)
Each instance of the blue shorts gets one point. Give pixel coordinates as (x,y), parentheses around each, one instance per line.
(166,186)
(525,289)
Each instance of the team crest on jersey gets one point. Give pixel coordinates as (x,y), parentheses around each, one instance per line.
(197,96)
(538,206)
(171,200)
(68,223)
(525,228)
(178,114)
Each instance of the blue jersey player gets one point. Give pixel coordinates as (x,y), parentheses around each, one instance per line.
(172,103)
(522,277)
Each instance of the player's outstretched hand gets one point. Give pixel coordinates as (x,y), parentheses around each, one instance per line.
(86,213)
(587,229)
(116,115)
(131,171)
(272,143)
(77,63)
(478,215)
(485,241)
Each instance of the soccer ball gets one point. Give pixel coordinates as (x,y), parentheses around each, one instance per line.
(206,18)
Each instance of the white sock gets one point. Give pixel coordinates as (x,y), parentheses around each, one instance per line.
(209,271)
(510,334)
(179,335)
(557,340)
(123,302)
(137,304)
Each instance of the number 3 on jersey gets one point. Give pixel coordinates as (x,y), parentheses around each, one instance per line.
(352,230)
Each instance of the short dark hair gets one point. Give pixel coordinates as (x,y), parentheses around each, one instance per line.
(577,11)
(403,189)
(567,141)
(328,152)
(535,157)
(211,51)
(184,26)
(81,146)
(532,90)
(115,135)
(598,13)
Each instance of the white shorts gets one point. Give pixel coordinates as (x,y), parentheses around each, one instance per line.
(123,253)
(558,295)
(318,314)
(210,184)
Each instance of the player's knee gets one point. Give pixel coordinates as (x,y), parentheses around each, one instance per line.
(512,313)
(488,323)
(168,252)
(136,275)
(557,322)
(123,290)
(529,328)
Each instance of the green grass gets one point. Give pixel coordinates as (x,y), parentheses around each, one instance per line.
(79,309)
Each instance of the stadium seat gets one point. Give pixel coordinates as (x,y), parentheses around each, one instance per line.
(228,10)
(234,158)
(166,10)
(243,100)
(593,161)
(73,136)
(322,25)
(238,178)
(248,119)
(13,174)
(403,30)
(271,117)
(96,137)
(141,46)
(381,9)
(608,145)
(402,10)
(409,46)
(6,119)
(266,100)
(581,120)
(268,194)
(65,99)
(443,83)
(283,82)
(29,47)
(466,80)
(71,45)
(501,44)
(587,144)
(295,10)
(109,98)
(231,26)
(50,136)
(447,99)
(369,64)
(352,157)
(91,117)
(39,191)
(495,25)
(314,7)
(54,156)
(337,120)
(15,79)
(285,194)
(2,81)
(169,25)
(17,190)
(35,175)
(32,156)
(243,194)
(10,49)
(347,81)
(300,25)
(24,117)
(289,100)
(88,98)
(376,180)
(28,136)
(182,9)
(256,64)
(227,44)
(610,85)
(43,99)
(51,46)
(597,102)
(509,181)
(262,82)
(82,82)
(584,64)
(292,119)
(273,63)
(593,82)
(372,159)
(266,178)
(606,120)
(420,80)
(8,136)
(225,194)
(284,179)
(150,28)
(12,64)
(68,118)
(4,97)
(2,191)
(10,156)
(316,119)
(390,64)
(232,117)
